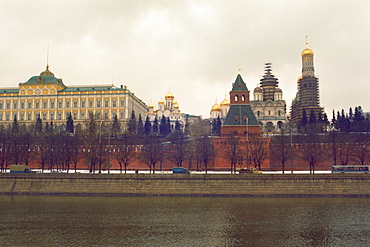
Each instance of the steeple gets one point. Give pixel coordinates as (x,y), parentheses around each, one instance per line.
(268,83)
(308,69)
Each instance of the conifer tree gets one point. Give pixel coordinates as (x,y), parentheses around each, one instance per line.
(177,125)
(69,124)
(147,126)
(132,126)
(140,126)
(115,126)
(15,126)
(163,126)
(38,126)
(155,127)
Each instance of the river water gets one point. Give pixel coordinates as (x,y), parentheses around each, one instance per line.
(183,221)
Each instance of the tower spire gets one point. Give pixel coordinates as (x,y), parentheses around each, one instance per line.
(306,41)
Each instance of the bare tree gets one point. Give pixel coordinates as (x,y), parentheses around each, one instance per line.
(258,149)
(4,150)
(344,149)
(281,149)
(205,150)
(151,152)
(231,150)
(125,151)
(178,149)
(361,146)
(312,150)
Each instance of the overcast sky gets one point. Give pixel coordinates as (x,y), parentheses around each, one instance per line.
(192,48)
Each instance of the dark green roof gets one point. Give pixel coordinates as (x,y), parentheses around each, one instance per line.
(239,84)
(10,90)
(43,78)
(236,114)
(91,88)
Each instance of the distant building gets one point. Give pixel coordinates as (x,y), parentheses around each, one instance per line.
(170,109)
(307,99)
(220,110)
(46,97)
(268,104)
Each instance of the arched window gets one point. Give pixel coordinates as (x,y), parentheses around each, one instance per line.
(243,97)
(236,118)
(236,98)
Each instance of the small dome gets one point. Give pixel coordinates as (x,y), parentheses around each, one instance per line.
(225,102)
(257,90)
(216,107)
(161,102)
(299,78)
(278,90)
(307,52)
(169,95)
(175,105)
(151,106)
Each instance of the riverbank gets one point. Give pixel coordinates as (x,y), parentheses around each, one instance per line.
(266,185)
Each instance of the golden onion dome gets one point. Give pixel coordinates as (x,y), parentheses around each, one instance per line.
(307,51)
(169,95)
(161,102)
(299,78)
(151,106)
(175,105)
(225,102)
(216,107)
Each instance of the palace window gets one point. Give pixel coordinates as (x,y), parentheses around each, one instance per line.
(22,104)
(114,114)
(1,105)
(60,104)
(29,104)
(75,104)
(83,104)
(98,115)
(22,116)
(82,115)
(91,104)
(7,105)
(114,103)
(29,116)
(45,104)
(44,116)
(7,117)
(1,116)
(106,103)
(52,116)
(105,115)
(98,103)
(37,104)
(75,115)
(52,104)
(68,104)
(121,114)
(59,116)
(15,105)
(122,103)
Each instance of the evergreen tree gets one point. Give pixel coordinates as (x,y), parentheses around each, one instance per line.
(132,126)
(140,126)
(168,130)
(177,125)
(51,126)
(312,119)
(147,126)
(47,127)
(163,126)
(15,126)
(115,126)
(304,120)
(350,114)
(333,120)
(69,124)
(38,125)
(92,125)
(155,127)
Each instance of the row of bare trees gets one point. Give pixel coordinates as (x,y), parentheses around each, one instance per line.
(335,147)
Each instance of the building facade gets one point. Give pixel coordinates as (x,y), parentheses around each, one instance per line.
(307,100)
(46,97)
(268,104)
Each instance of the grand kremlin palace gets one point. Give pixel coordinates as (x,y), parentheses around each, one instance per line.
(46,97)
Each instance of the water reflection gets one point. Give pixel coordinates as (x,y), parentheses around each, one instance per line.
(168,221)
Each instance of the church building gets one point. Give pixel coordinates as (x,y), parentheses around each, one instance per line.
(268,104)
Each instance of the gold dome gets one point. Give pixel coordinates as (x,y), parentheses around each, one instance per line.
(161,102)
(169,95)
(216,107)
(225,102)
(307,51)
(175,105)
(151,106)
(299,78)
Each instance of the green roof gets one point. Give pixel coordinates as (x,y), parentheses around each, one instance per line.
(43,78)
(239,84)
(237,114)
(91,88)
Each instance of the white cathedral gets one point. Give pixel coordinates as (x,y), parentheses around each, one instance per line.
(268,104)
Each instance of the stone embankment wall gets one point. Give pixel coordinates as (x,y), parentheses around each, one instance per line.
(186,185)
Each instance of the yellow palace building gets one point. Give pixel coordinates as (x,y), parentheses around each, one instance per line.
(46,97)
